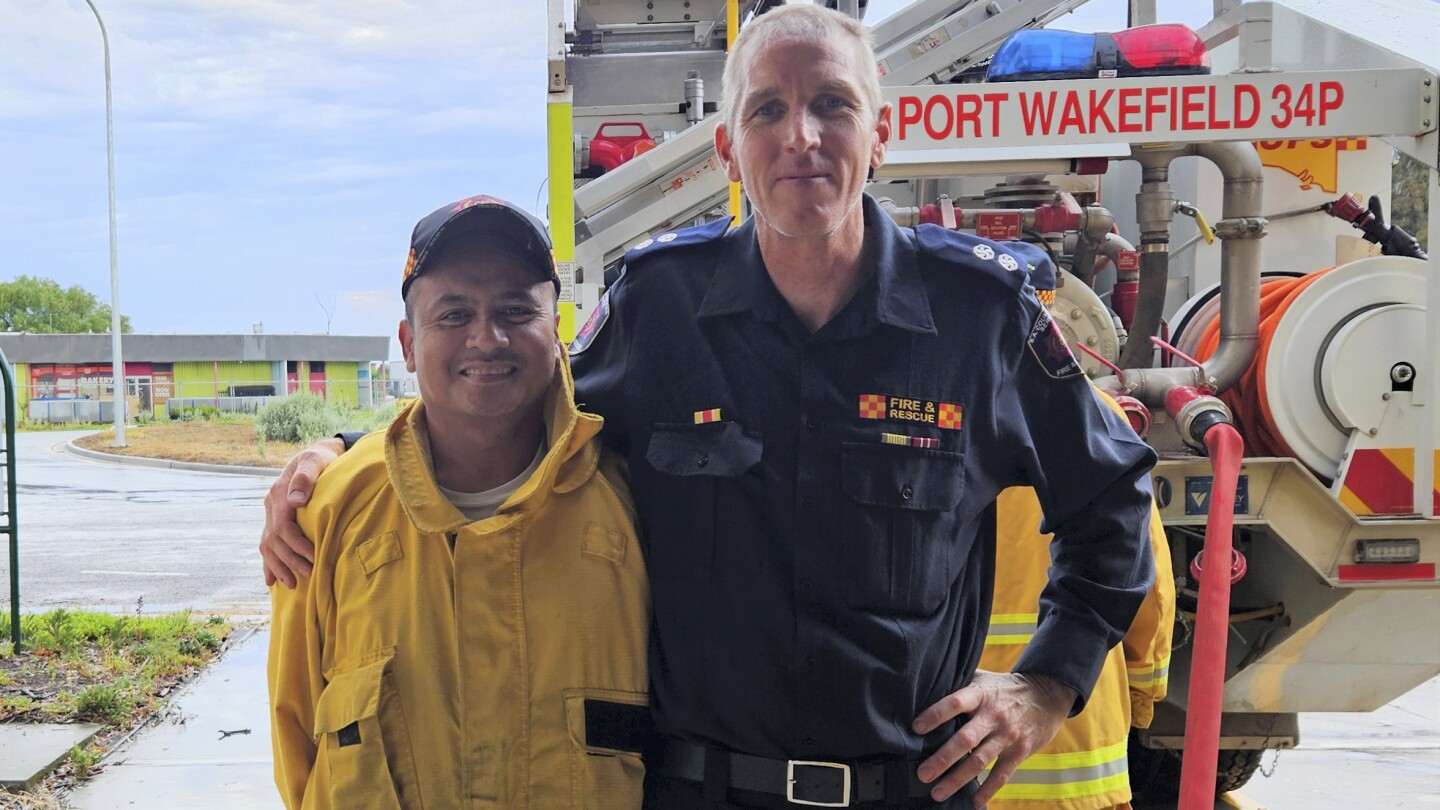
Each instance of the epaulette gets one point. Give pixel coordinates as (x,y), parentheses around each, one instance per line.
(697,235)
(1010,262)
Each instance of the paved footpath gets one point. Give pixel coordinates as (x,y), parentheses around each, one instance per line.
(1388,759)
(184,762)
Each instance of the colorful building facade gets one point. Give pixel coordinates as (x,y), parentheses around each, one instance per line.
(58,373)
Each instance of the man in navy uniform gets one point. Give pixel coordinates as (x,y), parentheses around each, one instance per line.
(818,409)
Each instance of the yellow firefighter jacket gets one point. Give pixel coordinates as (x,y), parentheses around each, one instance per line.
(1084,767)
(507,674)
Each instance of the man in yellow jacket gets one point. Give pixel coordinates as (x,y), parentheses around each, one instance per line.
(1084,767)
(473,631)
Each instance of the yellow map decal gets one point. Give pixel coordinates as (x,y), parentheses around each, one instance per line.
(1314,162)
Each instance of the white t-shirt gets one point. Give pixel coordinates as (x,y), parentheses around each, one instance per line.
(481,505)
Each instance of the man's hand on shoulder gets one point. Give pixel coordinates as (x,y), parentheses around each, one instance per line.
(284,549)
(1011,716)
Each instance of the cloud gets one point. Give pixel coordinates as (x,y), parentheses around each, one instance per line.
(382,302)
(297,64)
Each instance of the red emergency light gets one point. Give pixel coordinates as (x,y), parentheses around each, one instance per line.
(1166,49)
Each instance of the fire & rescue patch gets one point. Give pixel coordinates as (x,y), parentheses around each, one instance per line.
(1050,350)
(945,415)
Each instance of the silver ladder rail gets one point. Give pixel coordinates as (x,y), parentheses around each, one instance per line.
(681,179)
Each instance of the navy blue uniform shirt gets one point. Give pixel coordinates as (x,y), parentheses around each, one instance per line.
(815,506)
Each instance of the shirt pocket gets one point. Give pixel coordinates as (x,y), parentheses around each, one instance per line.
(902,521)
(692,482)
(608,728)
(363,740)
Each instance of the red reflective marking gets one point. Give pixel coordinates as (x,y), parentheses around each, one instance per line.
(1386,572)
(1382,486)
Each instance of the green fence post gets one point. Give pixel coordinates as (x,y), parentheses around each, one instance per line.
(11,526)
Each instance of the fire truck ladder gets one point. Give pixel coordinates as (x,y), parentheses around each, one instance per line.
(680,180)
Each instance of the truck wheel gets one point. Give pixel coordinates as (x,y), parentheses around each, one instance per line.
(1236,768)
(1155,772)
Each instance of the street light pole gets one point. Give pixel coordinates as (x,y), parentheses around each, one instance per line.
(117,365)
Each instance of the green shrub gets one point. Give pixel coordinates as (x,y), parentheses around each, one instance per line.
(305,417)
(84,760)
(51,632)
(103,703)
(300,418)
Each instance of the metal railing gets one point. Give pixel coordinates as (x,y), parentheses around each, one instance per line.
(62,401)
(11,522)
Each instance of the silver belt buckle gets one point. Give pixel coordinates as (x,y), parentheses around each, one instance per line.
(790,783)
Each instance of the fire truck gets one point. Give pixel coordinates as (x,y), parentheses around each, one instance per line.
(1221,202)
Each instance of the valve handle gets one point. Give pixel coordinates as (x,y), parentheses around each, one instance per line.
(1189,210)
(1205,229)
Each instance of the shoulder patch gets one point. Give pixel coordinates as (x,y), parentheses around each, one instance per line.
(1048,347)
(670,240)
(1000,259)
(597,319)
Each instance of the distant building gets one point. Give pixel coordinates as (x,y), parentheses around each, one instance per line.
(57,375)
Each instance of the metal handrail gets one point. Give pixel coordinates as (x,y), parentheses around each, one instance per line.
(12,526)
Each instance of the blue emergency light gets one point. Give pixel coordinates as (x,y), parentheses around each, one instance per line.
(1167,49)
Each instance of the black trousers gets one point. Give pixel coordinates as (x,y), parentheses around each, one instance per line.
(665,793)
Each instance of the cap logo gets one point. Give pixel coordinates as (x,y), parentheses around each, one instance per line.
(478,199)
(409,266)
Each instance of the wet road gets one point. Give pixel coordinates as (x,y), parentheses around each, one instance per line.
(1388,758)
(114,537)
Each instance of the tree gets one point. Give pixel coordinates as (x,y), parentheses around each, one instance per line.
(40,305)
(1409,201)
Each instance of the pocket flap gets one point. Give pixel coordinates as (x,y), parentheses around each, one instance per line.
(716,449)
(350,696)
(902,477)
(378,551)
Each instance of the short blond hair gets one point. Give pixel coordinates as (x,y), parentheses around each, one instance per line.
(805,22)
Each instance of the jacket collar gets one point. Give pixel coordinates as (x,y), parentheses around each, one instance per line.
(569,462)
(896,297)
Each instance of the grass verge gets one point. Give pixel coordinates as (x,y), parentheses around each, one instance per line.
(81,666)
(206,442)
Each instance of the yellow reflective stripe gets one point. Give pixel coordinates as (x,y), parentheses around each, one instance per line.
(1075,759)
(1149,674)
(1065,790)
(1069,775)
(1011,628)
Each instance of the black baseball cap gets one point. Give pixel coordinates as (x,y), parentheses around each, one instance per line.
(482,214)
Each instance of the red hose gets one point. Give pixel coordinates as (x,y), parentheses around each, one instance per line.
(1212,627)
(1248,399)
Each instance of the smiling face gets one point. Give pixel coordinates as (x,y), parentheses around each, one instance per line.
(480,336)
(803,135)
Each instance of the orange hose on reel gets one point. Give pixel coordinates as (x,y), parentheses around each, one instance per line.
(1247,399)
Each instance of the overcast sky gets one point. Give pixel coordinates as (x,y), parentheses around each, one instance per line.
(271,155)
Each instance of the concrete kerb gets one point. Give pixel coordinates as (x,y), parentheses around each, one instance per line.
(143,461)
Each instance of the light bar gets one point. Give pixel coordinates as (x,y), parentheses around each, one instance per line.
(1387,551)
(1033,54)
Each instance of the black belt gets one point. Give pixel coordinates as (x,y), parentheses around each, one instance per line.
(800,782)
